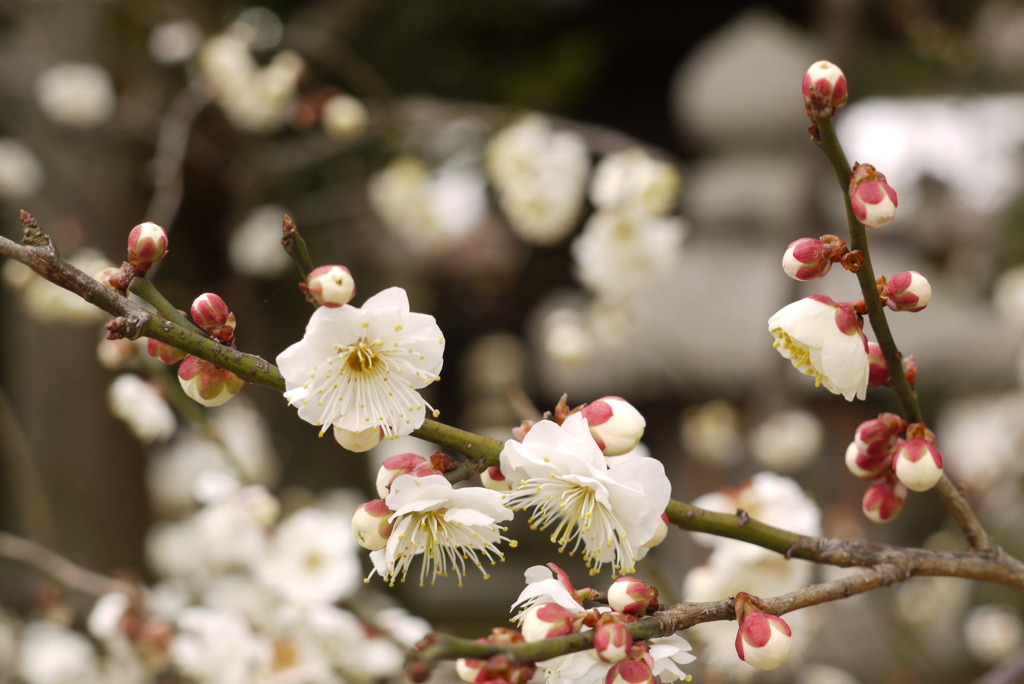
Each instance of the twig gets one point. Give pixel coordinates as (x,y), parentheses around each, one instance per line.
(59,568)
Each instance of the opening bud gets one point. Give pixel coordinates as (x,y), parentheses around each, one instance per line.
(762,640)
(807,259)
(908,291)
(147,244)
(612,639)
(546,620)
(867,465)
(825,89)
(616,425)
(206,383)
(872,199)
(918,464)
(394,466)
(631,596)
(884,499)
(370,524)
(330,286)
(211,313)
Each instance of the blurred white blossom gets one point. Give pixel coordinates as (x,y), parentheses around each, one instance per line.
(992,632)
(787,441)
(173,42)
(254,247)
(54,654)
(142,407)
(21,172)
(76,94)
(633,182)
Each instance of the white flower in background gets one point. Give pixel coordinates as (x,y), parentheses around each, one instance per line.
(254,248)
(54,654)
(710,433)
(429,210)
(617,254)
(296,659)
(48,303)
(312,558)
(633,182)
(559,472)
(787,441)
(21,173)
(823,339)
(359,368)
(173,42)
(1008,296)
(448,527)
(247,441)
(231,529)
(993,632)
(76,94)
(216,647)
(344,117)
(540,176)
(241,594)
(566,337)
(142,407)
(819,673)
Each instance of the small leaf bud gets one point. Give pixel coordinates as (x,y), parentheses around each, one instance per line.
(147,244)
(331,286)
(884,499)
(872,199)
(370,524)
(206,383)
(616,425)
(918,464)
(632,596)
(908,291)
(825,89)
(211,313)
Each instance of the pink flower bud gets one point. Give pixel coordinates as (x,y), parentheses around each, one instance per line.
(878,372)
(206,383)
(631,596)
(147,244)
(879,434)
(872,199)
(211,313)
(493,478)
(824,88)
(612,641)
(884,499)
(106,275)
(394,466)
(468,669)
(616,425)
(762,640)
(630,672)
(918,464)
(164,352)
(806,259)
(865,465)
(360,441)
(331,286)
(908,291)
(370,524)
(545,620)
(909,364)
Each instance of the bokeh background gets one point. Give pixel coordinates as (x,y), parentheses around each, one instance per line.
(712,87)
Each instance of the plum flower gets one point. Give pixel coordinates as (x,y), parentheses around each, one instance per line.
(823,339)
(608,511)
(446,526)
(359,368)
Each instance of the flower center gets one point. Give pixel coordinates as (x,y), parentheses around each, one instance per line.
(363,355)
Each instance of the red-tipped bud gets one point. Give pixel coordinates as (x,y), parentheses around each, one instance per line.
(360,441)
(879,434)
(331,286)
(908,291)
(370,524)
(206,383)
(872,199)
(493,478)
(631,596)
(910,370)
(616,425)
(545,620)
(612,640)
(878,372)
(824,88)
(762,640)
(211,313)
(884,499)
(147,244)
(394,466)
(806,259)
(108,277)
(918,464)
(867,465)
(630,672)
(164,352)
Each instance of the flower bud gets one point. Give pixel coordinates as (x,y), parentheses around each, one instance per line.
(884,499)
(909,364)
(164,352)
(331,286)
(106,275)
(867,465)
(879,434)
(612,640)
(806,259)
(878,372)
(660,534)
(147,244)
(872,199)
(908,291)
(206,383)
(762,640)
(825,89)
(392,467)
(360,441)
(631,596)
(545,620)
(493,478)
(469,668)
(615,424)
(630,672)
(211,313)
(344,117)
(918,464)
(370,524)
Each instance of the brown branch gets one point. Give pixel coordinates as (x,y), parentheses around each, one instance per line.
(59,568)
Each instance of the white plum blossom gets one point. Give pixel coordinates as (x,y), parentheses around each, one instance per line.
(312,558)
(254,247)
(54,654)
(632,181)
(823,339)
(217,647)
(76,94)
(610,511)
(142,407)
(787,441)
(540,176)
(448,527)
(359,368)
(21,173)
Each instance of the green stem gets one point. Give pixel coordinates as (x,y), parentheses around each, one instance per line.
(143,287)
